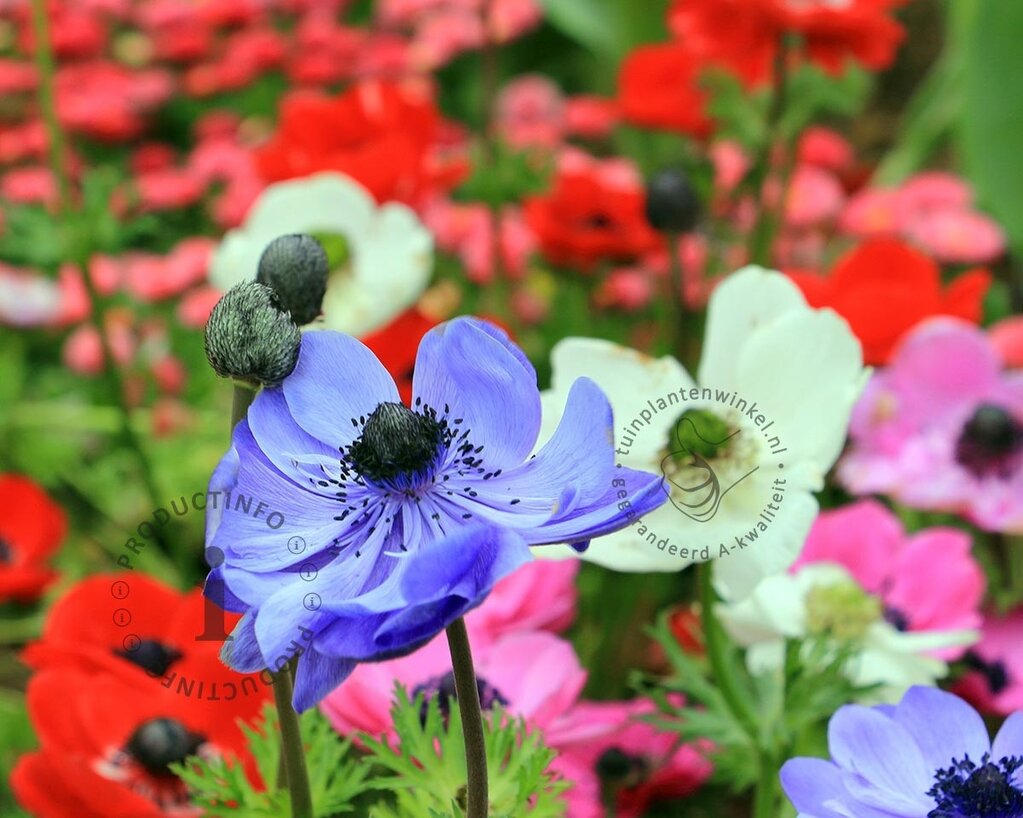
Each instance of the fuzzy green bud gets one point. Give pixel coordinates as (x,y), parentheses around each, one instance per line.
(250,336)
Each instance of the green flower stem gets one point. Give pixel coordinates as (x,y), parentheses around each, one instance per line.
(761,242)
(467,693)
(765,795)
(679,335)
(46,69)
(765,792)
(296,775)
(47,101)
(721,665)
(241,400)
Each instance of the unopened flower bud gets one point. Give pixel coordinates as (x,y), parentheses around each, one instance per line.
(672,205)
(250,336)
(296,268)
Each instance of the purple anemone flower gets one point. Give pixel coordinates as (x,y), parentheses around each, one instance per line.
(929,756)
(349,527)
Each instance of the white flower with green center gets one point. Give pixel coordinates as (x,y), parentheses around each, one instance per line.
(381,256)
(823,607)
(741,449)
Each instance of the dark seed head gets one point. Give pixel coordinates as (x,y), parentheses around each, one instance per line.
(394,441)
(160,742)
(621,769)
(672,205)
(296,267)
(994,672)
(990,441)
(250,336)
(6,552)
(153,657)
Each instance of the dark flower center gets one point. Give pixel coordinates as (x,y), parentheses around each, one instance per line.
(394,441)
(620,769)
(442,688)
(598,221)
(994,672)
(989,442)
(970,790)
(152,656)
(158,743)
(6,552)
(896,618)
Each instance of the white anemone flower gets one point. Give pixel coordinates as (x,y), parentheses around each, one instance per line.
(822,602)
(391,252)
(741,449)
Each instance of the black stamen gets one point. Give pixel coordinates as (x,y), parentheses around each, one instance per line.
(160,742)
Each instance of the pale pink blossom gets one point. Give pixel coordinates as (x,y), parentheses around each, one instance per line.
(825,148)
(29,185)
(590,117)
(530,111)
(167,189)
(195,306)
(871,213)
(28,299)
(730,165)
(625,288)
(1007,338)
(815,197)
(957,236)
(934,190)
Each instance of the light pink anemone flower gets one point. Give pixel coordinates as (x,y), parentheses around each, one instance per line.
(941,428)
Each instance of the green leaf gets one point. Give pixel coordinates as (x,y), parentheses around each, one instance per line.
(337,774)
(428,765)
(993,110)
(585,21)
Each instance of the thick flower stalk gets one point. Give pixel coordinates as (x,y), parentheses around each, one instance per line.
(355,528)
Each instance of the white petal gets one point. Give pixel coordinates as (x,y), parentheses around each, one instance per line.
(746,301)
(391,250)
(629,379)
(773,551)
(806,371)
(392,262)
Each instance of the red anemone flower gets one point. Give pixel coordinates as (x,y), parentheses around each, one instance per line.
(745,35)
(396,346)
(884,288)
(386,135)
(595,212)
(32,527)
(105,747)
(658,88)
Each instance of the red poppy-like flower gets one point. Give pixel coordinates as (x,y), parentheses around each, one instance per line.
(105,746)
(385,135)
(396,345)
(885,288)
(129,625)
(657,88)
(744,35)
(130,678)
(32,527)
(594,212)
